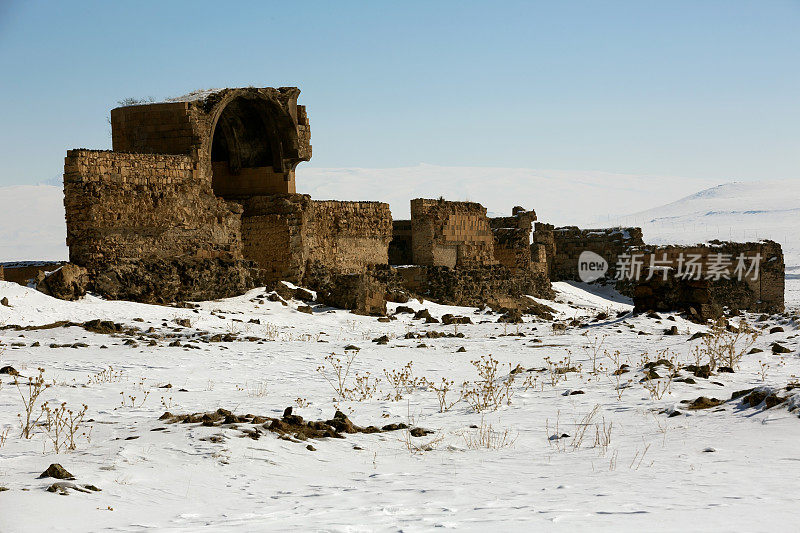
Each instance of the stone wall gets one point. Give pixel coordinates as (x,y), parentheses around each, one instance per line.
(244,141)
(452,234)
(159,128)
(143,206)
(347,236)
(23,272)
(569,242)
(493,285)
(512,242)
(285,233)
(707,278)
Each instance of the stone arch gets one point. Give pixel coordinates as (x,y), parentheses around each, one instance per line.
(253,146)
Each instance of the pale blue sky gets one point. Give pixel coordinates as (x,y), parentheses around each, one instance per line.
(695,88)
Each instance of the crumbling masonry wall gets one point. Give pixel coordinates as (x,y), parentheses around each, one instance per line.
(143,206)
(705,293)
(563,247)
(245,141)
(159,218)
(286,233)
(452,234)
(512,242)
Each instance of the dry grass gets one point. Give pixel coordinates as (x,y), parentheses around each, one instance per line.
(257,389)
(402,381)
(336,371)
(365,387)
(485,437)
(108,375)
(62,425)
(416,446)
(442,389)
(488,393)
(726,345)
(29,392)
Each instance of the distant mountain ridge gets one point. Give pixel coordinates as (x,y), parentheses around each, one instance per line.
(32,216)
(740,211)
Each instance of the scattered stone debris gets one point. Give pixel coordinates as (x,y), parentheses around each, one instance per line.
(510,316)
(702,402)
(777,348)
(702,371)
(621,370)
(755,397)
(305,309)
(63,487)
(56,471)
(304,295)
(10,370)
(452,319)
(289,427)
(671,331)
(423,313)
(661,362)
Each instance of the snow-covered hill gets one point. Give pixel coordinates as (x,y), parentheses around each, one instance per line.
(32,223)
(732,211)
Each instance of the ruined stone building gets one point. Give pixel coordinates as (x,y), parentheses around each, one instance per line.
(197,200)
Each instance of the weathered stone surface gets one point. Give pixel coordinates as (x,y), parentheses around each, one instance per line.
(286,233)
(164,281)
(361,293)
(451,234)
(56,471)
(563,246)
(494,285)
(69,282)
(706,297)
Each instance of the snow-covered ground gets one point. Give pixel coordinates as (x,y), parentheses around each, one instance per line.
(626,465)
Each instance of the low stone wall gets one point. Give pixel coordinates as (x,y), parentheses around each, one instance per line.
(23,272)
(493,285)
(141,206)
(284,233)
(565,245)
(361,293)
(348,236)
(740,276)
